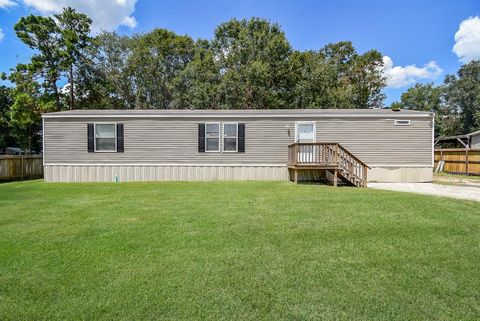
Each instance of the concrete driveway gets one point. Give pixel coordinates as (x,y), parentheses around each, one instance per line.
(454,191)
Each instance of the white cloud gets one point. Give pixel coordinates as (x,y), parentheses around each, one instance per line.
(398,76)
(106,14)
(7,3)
(467,40)
(130,22)
(1,34)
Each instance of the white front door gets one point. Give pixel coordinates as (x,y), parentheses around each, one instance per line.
(305,132)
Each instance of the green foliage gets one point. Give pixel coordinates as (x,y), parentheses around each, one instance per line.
(59,44)
(252,57)
(103,77)
(156,59)
(456,103)
(197,85)
(337,77)
(427,97)
(462,95)
(42,34)
(5,103)
(74,30)
(248,64)
(27,105)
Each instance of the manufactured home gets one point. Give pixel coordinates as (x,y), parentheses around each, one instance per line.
(352,146)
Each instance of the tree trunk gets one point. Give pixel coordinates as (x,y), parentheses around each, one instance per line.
(57,96)
(71,87)
(30,136)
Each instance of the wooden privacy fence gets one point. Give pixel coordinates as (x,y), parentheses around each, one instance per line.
(13,167)
(458,160)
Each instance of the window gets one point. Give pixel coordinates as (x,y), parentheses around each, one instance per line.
(305,132)
(402,122)
(105,138)
(212,137)
(230,137)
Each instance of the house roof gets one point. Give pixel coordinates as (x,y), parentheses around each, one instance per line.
(456,137)
(241,113)
(474,133)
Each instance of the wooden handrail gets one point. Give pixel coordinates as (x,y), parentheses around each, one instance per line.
(329,156)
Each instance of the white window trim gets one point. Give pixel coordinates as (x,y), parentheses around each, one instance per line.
(236,138)
(219,140)
(402,122)
(95,137)
(306,123)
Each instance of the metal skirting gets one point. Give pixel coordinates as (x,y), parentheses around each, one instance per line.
(401,174)
(151,172)
(135,173)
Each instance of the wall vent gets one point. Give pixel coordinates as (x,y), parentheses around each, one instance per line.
(402,122)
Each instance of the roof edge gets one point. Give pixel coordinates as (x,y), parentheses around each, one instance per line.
(323,113)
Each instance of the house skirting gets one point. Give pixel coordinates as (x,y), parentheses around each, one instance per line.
(207,172)
(140,172)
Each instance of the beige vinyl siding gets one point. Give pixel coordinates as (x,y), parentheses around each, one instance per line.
(379,141)
(174,140)
(165,141)
(476,141)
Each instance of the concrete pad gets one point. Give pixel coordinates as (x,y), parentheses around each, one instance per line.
(460,192)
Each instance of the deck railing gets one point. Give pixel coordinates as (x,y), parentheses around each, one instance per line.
(330,156)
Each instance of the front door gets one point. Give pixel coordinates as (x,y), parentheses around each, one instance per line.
(305,132)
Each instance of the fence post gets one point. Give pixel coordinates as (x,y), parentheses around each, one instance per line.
(466,160)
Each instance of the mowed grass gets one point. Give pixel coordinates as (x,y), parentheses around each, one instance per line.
(235,251)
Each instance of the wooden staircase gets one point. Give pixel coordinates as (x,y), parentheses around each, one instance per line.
(331,158)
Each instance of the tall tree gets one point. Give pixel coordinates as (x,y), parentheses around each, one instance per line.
(74,29)
(156,59)
(196,86)
(5,103)
(28,104)
(42,34)
(252,56)
(336,76)
(316,82)
(462,95)
(104,77)
(367,80)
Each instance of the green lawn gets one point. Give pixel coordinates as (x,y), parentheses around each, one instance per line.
(235,251)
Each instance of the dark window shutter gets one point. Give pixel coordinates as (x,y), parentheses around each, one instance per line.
(119,138)
(241,138)
(90,138)
(201,138)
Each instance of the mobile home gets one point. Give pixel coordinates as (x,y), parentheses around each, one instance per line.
(355,145)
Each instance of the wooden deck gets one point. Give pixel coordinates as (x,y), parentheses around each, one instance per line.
(329,158)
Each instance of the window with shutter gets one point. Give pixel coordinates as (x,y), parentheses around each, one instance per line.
(105,137)
(90,138)
(230,137)
(212,137)
(241,138)
(120,148)
(201,138)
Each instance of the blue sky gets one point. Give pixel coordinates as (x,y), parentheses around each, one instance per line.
(417,37)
